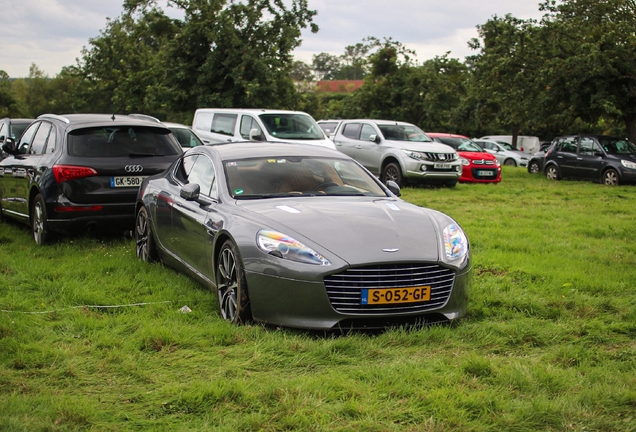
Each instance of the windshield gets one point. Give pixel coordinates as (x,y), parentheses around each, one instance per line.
(121,141)
(462,144)
(186,137)
(617,146)
(298,176)
(17,130)
(295,126)
(396,132)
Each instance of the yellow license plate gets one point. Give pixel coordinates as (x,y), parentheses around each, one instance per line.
(395,295)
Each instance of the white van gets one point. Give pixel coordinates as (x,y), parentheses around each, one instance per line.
(221,125)
(526,144)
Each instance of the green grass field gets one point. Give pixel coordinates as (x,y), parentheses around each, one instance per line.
(549,343)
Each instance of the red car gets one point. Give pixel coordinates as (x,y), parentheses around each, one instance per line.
(478,166)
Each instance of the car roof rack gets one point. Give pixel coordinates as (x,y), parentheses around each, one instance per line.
(55,116)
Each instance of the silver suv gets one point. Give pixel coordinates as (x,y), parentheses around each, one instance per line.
(398,151)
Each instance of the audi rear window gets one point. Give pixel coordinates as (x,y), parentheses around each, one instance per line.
(122,141)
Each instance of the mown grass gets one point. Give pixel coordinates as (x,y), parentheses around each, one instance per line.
(549,342)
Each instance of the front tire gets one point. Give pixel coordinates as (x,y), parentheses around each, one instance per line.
(393,172)
(610,177)
(145,247)
(231,285)
(39,224)
(552,173)
(533,168)
(510,162)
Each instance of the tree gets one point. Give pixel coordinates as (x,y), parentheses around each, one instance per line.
(326,66)
(8,102)
(225,54)
(593,58)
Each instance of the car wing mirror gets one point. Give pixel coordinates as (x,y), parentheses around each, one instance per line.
(190,192)
(255,135)
(374,138)
(9,146)
(393,187)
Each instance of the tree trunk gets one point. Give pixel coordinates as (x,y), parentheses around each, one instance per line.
(515,134)
(630,126)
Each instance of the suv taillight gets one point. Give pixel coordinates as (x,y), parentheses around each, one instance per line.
(64,173)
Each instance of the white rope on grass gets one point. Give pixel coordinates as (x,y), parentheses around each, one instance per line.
(86,307)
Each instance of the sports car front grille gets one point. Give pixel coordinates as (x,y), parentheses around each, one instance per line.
(345,289)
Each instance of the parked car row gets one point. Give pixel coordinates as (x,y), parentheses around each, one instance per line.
(278,231)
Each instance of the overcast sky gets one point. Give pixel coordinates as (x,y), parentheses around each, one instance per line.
(51,33)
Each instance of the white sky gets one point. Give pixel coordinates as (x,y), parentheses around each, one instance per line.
(52,33)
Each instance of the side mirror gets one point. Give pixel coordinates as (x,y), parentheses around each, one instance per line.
(9,146)
(375,138)
(255,135)
(393,187)
(190,192)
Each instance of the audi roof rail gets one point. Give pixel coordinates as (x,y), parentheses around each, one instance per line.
(145,117)
(55,116)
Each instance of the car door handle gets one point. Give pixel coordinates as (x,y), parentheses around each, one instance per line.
(358,146)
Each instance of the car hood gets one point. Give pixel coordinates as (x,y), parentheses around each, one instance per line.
(476,155)
(423,146)
(358,230)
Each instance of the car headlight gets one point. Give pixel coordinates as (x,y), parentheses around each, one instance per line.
(415,155)
(282,246)
(455,242)
(497,162)
(464,161)
(628,164)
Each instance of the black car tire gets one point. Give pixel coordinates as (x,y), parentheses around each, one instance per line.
(231,285)
(533,167)
(610,177)
(39,225)
(552,173)
(451,184)
(392,171)
(510,162)
(145,247)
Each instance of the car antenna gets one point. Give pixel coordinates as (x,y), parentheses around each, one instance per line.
(113,117)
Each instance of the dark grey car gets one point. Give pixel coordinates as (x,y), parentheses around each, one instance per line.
(605,159)
(81,172)
(302,236)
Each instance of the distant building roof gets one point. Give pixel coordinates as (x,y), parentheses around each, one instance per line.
(339,86)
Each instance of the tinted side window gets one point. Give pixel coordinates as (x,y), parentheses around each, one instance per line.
(351,130)
(202,173)
(2,132)
(568,145)
(203,121)
(184,168)
(39,141)
(247,124)
(224,124)
(25,140)
(589,146)
(366,132)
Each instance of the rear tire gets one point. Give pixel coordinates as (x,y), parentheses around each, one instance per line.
(510,162)
(533,167)
(392,171)
(231,285)
(145,247)
(39,224)
(552,173)
(610,177)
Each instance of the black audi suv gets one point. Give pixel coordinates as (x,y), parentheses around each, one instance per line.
(81,172)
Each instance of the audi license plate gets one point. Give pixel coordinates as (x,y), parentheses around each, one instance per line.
(442,166)
(126,181)
(485,173)
(396,295)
